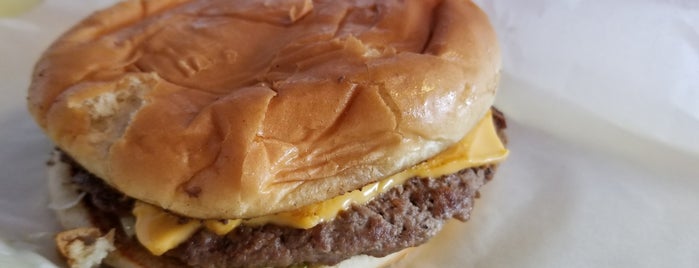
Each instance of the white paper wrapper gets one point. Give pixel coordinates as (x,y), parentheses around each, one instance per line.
(603,104)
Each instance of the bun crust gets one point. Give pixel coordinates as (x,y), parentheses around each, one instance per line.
(232,109)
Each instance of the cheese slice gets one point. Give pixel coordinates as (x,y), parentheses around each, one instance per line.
(160,231)
(221,227)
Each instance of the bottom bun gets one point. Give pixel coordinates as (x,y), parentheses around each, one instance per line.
(74,215)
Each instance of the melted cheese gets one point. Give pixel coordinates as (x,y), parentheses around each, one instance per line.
(160,231)
(221,227)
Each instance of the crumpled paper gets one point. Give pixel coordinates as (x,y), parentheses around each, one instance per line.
(602,99)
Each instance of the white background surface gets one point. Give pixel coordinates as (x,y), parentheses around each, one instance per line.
(603,104)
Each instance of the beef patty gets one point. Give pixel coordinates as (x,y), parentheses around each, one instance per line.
(405,216)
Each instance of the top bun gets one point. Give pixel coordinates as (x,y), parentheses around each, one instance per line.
(235,109)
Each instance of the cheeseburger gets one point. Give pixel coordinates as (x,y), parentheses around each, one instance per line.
(283,133)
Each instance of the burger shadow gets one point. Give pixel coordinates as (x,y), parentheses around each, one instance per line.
(518,216)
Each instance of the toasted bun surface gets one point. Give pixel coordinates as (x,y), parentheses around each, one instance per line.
(235,109)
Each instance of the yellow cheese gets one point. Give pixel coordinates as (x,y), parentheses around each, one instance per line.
(480,147)
(311,215)
(221,227)
(160,231)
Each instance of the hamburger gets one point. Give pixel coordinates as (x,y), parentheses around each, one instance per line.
(209,133)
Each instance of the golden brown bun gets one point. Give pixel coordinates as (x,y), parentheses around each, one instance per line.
(232,109)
